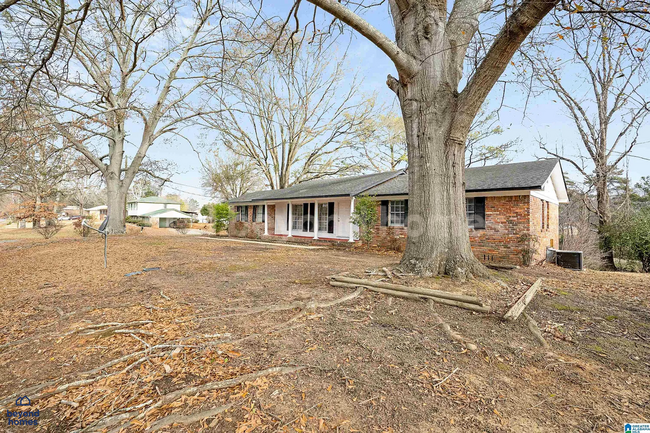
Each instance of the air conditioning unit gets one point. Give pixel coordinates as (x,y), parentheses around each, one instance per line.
(566,259)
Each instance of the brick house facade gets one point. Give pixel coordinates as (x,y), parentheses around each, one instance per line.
(513,211)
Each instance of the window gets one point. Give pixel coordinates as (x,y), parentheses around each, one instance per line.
(322,217)
(475,212)
(543,214)
(397,213)
(258,214)
(242,213)
(296,217)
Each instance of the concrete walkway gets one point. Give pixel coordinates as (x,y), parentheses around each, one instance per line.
(271,244)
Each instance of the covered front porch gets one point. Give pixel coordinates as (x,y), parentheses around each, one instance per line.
(326,218)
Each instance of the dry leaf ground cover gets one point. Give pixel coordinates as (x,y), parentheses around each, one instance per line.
(234,337)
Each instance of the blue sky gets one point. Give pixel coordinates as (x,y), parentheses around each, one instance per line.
(545,118)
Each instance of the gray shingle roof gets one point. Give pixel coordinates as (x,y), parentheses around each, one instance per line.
(502,177)
(519,175)
(331,187)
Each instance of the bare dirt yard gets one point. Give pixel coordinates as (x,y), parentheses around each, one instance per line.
(242,337)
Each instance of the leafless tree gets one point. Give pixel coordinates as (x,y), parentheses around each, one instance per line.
(137,71)
(228,178)
(483,146)
(607,109)
(382,144)
(35,164)
(293,115)
(428,52)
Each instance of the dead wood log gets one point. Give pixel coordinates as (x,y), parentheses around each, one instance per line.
(534,329)
(417,290)
(414,296)
(188,419)
(515,311)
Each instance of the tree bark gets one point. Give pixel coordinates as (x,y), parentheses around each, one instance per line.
(116,202)
(438,239)
(604,218)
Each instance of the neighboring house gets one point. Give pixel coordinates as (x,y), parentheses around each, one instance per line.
(98,212)
(71,211)
(512,209)
(159,211)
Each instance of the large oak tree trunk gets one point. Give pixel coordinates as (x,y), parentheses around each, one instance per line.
(438,239)
(116,202)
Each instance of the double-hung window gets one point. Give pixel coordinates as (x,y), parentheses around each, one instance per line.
(397,213)
(258,214)
(475,212)
(242,213)
(296,216)
(322,217)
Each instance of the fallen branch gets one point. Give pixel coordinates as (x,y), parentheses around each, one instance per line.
(417,290)
(415,297)
(519,306)
(446,378)
(188,419)
(532,326)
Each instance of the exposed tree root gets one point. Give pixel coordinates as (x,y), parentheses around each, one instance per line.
(211,386)
(188,419)
(451,333)
(304,306)
(534,329)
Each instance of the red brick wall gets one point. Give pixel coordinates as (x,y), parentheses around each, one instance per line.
(512,231)
(506,220)
(252,229)
(547,235)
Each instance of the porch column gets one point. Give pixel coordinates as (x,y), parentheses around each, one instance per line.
(290,219)
(266,219)
(316,220)
(351,225)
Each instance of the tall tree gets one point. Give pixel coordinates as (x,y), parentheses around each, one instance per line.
(607,109)
(294,115)
(429,52)
(229,178)
(137,69)
(382,144)
(483,147)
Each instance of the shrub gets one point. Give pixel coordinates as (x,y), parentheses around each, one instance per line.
(365,217)
(50,229)
(80,229)
(181,226)
(222,215)
(630,238)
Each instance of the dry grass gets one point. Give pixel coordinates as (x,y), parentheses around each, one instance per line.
(372,363)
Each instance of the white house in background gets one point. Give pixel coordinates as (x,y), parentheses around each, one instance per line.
(98,212)
(160,212)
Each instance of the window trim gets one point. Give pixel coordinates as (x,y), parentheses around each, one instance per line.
(392,203)
(296,217)
(323,217)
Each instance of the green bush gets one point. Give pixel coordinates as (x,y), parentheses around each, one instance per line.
(222,215)
(365,216)
(140,222)
(630,238)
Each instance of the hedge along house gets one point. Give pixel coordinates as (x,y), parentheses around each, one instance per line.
(512,210)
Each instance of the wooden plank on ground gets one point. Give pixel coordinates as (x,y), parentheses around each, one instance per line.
(515,311)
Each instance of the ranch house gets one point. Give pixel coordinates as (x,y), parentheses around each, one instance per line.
(512,210)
